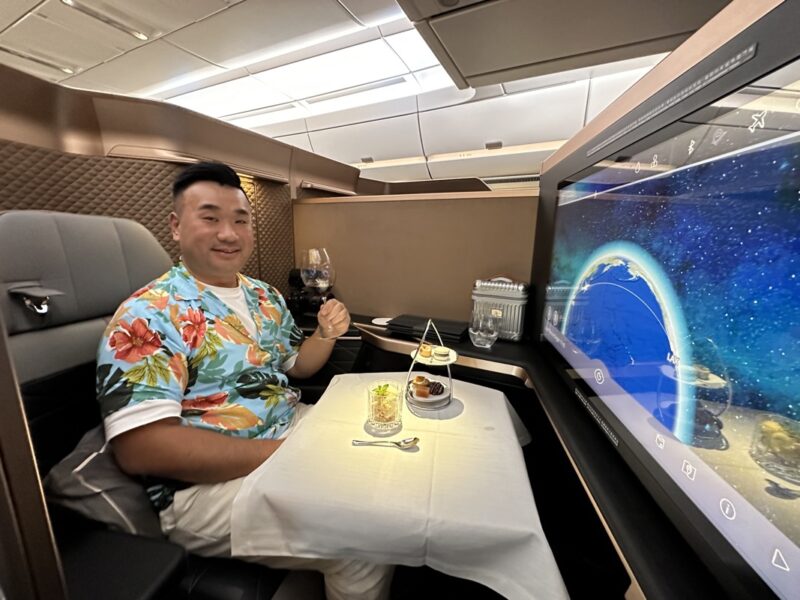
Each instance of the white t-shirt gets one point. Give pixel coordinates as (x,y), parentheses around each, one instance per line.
(235,300)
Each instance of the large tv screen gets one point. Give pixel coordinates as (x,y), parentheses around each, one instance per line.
(674,293)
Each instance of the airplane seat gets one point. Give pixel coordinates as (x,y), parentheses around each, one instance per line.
(61,279)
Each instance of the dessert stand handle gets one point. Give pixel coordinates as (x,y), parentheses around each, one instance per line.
(416,354)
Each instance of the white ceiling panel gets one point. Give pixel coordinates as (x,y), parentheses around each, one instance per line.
(282,129)
(339,70)
(298,140)
(413,172)
(256,30)
(239,95)
(412,50)
(541,115)
(489,165)
(612,68)
(54,42)
(31,67)
(156,17)
(452,95)
(397,137)
(90,28)
(148,69)
(11,10)
(373,112)
(374,12)
(604,90)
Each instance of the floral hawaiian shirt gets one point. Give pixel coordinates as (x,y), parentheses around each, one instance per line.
(175,349)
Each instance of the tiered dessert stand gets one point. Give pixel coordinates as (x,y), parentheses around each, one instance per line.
(435,403)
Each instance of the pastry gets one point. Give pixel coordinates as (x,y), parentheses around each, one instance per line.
(422,391)
(425,350)
(421,380)
(436,388)
(441,353)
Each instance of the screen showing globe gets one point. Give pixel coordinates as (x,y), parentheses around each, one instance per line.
(674,294)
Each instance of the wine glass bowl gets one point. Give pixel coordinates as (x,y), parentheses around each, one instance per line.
(316,270)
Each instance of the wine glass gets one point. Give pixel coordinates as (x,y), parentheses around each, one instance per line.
(317,271)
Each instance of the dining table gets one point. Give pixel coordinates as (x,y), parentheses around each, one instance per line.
(460,501)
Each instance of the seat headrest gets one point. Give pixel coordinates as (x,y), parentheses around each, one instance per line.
(84,265)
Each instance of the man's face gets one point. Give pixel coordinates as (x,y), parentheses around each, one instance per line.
(213,225)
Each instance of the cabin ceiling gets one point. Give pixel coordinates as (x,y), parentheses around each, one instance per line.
(352,80)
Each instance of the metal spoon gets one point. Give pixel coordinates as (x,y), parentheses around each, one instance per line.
(405,444)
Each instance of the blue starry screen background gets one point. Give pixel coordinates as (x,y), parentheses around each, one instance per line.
(726,233)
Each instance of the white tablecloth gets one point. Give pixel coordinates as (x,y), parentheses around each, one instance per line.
(461,504)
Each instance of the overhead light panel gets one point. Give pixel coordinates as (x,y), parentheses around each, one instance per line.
(276,114)
(91,12)
(39,61)
(229,98)
(342,69)
(412,50)
(383,91)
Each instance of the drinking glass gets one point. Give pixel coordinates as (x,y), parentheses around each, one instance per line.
(384,407)
(316,269)
(484,329)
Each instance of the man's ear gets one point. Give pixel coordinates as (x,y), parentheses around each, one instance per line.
(173,226)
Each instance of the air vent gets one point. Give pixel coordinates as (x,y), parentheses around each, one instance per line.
(513,182)
(512,179)
(493,145)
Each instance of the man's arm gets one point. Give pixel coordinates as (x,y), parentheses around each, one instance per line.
(165,448)
(334,320)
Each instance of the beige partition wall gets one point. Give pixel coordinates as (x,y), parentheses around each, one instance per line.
(421,253)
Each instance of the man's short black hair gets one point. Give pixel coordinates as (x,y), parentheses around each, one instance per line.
(206,171)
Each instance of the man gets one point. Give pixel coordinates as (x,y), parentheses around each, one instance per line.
(192,377)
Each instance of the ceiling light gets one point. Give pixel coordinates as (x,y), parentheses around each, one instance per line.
(412,50)
(230,98)
(39,61)
(393,89)
(277,114)
(94,14)
(342,69)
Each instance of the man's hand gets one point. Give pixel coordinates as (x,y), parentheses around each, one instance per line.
(333,319)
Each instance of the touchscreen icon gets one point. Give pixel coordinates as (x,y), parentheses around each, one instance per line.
(660,441)
(689,470)
(758,121)
(727,508)
(598,376)
(718,135)
(779,561)
(691,147)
